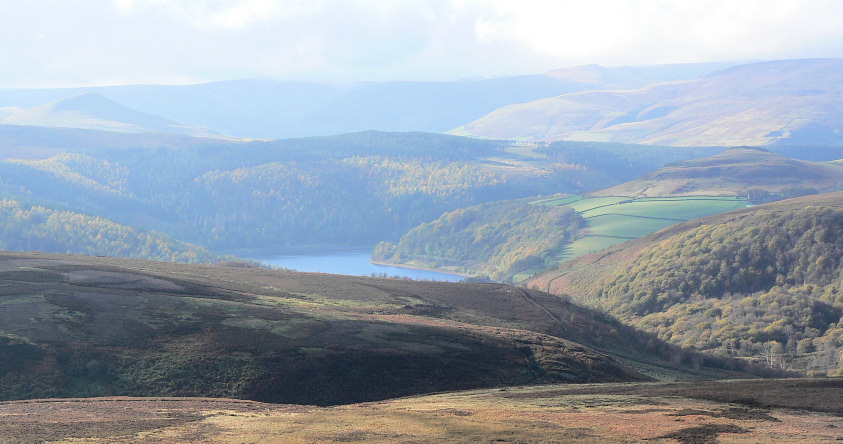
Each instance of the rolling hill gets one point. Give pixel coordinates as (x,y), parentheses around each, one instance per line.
(780,102)
(88,326)
(761,283)
(732,173)
(92,111)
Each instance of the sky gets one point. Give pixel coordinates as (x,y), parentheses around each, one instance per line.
(57,43)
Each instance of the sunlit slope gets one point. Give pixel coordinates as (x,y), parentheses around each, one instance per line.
(796,410)
(790,101)
(613,220)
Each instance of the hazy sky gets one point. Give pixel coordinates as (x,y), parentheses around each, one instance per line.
(96,42)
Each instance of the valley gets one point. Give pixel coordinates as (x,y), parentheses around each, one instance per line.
(644,253)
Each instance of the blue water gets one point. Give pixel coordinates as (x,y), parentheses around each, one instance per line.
(355,262)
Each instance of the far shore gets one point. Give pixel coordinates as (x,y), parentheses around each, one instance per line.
(419,267)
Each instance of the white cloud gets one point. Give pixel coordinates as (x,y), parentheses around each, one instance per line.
(87,41)
(652,31)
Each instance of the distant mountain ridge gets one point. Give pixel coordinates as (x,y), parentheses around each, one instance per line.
(92,111)
(792,102)
(283,109)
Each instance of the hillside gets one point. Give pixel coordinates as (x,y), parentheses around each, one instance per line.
(92,111)
(734,172)
(25,227)
(760,283)
(781,102)
(498,239)
(125,327)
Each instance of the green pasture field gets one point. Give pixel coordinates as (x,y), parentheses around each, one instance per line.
(625,226)
(616,219)
(677,209)
(589,244)
(592,203)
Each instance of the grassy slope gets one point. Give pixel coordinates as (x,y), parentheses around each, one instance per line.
(614,220)
(730,411)
(87,326)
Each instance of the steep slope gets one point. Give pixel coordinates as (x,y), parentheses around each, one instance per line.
(95,112)
(734,172)
(790,101)
(84,326)
(762,283)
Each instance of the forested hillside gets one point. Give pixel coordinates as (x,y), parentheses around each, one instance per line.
(36,228)
(762,283)
(343,191)
(498,239)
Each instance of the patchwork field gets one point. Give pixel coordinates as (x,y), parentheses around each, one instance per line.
(616,219)
(729,411)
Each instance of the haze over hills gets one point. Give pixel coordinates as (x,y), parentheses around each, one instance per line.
(92,111)
(778,102)
(282,109)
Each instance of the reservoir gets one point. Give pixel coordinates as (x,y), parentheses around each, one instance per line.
(352,262)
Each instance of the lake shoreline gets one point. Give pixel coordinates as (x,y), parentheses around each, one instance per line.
(422,268)
(351,262)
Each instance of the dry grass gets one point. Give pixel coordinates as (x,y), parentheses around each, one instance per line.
(770,411)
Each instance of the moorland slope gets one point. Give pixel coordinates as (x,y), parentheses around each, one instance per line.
(796,410)
(90,326)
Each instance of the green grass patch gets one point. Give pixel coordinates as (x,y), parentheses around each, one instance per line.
(616,219)
(590,203)
(588,244)
(678,209)
(619,225)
